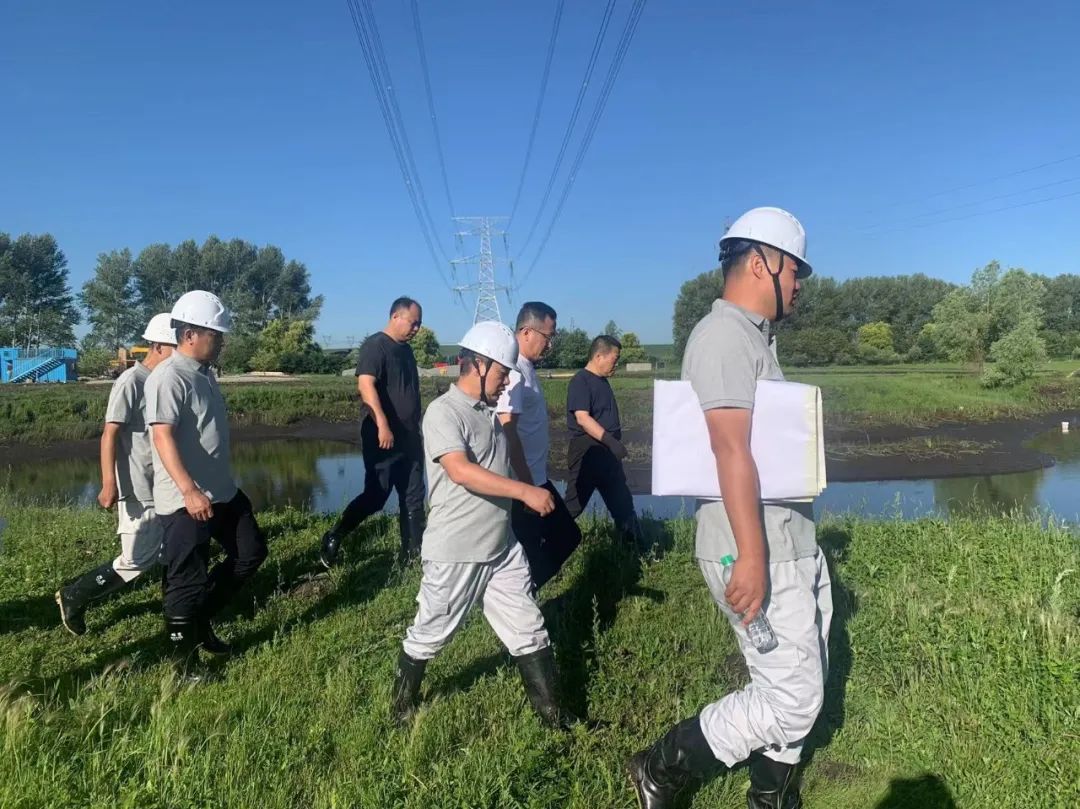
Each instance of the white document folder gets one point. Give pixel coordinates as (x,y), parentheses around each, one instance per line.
(786,440)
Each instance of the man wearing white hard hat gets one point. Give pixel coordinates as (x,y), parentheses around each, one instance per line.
(469,555)
(778,566)
(127,482)
(195,494)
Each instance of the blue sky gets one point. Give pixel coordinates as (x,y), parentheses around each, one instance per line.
(129,123)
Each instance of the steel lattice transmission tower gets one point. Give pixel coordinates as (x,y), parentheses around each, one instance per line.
(486,288)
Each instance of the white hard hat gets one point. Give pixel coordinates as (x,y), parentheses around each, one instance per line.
(160,330)
(493,340)
(774,227)
(201,308)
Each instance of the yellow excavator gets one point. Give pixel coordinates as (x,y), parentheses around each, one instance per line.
(126,358)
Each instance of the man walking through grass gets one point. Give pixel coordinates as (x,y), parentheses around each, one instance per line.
(470,557)
(389,385)
(127,482)
(596,452)
(778,566)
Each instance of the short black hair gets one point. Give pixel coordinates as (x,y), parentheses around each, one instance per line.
(604,344)
(534,312)
(732,253)
(467,359)
(182,327)
(404,302)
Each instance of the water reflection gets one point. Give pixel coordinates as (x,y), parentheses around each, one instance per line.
(325,475)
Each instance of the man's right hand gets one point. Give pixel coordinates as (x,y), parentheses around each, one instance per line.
(746,590)
(198,505)
(386,436)
(615,445)
(108,496)
(539,500)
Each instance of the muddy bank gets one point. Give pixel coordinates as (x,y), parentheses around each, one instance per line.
(884,453)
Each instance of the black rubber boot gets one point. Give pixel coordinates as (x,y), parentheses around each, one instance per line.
(406,694)
(183,635)
(210,642)
(660,772)
(76,597)
(773,784)
(331,544)
(633,536)
(538,673)
(411,524)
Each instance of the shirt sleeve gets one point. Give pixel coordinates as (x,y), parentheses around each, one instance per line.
(578,395)
(724,378)
(165,395)
(512,399)
(443,432)
(369,362)
(122,400)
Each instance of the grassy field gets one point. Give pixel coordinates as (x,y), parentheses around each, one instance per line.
(861,396)
(955,678)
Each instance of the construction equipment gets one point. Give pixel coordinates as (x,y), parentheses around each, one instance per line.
(126,358)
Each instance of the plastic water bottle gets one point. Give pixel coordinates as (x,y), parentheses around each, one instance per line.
(760,631)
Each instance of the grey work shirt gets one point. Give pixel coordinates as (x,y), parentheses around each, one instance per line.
(185,394)
(463,526)
(524,398)
(727,353)
(134,456)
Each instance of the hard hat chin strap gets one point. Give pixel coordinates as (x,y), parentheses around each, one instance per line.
(483,381)
(775,282)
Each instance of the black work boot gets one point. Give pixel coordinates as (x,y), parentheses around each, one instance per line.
(660,772)
(538,673)
(412,524)
(773,784)
(331,544)
(76,597)
(405,695)
(210,642)
(633,536)
(183,634)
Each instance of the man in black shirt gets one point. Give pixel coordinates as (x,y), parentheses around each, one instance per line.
(594,459)
(389,386)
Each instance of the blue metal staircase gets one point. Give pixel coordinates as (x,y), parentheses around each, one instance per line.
(38,369)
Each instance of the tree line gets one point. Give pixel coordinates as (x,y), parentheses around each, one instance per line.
(269,296)
(1012,318)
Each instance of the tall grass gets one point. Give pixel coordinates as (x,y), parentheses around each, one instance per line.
(954,655)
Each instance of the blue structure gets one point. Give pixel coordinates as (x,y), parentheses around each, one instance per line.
(38,365)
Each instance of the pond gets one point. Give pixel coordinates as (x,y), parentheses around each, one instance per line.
(324,475)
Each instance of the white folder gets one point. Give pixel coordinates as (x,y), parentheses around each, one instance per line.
(786,441)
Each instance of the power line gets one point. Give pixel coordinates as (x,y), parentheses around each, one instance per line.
(589,68)
(539,106)
(977,183)
(431,100)
(983,213)
(960,207)
(594,121)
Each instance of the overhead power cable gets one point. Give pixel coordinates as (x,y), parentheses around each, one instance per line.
(431,101)
(539,106)
(594,121)
(977,183)
(589,68)
(982,213)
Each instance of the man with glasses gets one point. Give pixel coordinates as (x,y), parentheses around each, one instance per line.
(548,540)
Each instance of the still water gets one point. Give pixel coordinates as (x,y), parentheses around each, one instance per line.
(325,475)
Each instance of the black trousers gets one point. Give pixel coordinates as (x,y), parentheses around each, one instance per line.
(547,541)
(400,468)
(191,589)
(593,467)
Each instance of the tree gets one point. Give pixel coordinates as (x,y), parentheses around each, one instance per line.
(425,348)
(961,324)
(282,342)
(1016,356)
(694,302)
(107,300)
(570,350)
(632,350)
(237,353)
(36,305)
(874,343)
(612,330)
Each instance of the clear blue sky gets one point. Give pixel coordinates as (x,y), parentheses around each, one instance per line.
(130,123)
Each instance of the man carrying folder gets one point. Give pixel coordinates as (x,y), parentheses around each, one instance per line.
(778,566)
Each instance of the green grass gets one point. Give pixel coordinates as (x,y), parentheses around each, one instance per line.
(860,396)
(954,653)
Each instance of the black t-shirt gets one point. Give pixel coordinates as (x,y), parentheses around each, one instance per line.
(592,393)
(397,380)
